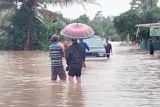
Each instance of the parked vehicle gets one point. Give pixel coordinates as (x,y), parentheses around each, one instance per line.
(96,46)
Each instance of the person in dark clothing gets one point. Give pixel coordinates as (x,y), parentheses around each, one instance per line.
(74,55)
(151,48)
(108,48)
(86,47)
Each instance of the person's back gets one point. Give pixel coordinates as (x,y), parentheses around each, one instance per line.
(74,55)
(56,53)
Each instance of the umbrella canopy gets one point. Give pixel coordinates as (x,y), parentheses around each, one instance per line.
(77,30)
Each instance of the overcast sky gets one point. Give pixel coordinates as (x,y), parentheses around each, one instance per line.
(108,8)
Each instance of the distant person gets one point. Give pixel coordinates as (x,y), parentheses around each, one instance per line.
(74,55)
(108,48)
(60,42)
(66,44)
(151,47)
(86,47)
(56,53)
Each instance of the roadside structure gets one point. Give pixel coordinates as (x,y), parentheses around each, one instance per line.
(148,31)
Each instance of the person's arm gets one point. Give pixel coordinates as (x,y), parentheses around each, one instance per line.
(62,52)
(111,50)
(50,51)
(67,56)
(87,46)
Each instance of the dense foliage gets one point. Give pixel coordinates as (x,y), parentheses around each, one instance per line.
(15,26)
(45,24)
(141,12)
(31,7)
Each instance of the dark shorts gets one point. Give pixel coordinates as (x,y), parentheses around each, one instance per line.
(58,71)
(75,70)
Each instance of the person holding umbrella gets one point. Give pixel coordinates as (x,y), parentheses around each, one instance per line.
(75,53)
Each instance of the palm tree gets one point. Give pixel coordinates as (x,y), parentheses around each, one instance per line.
(32,5)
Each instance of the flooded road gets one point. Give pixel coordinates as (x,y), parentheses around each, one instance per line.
(130,78)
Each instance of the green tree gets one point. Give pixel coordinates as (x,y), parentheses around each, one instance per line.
(7,4)
(143,4)
(31,6)
(5,22)
(103,26)
(125,24)
(83,19)
(150,15)
(108,26)
(97,23)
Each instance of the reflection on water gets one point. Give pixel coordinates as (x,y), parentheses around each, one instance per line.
(74,96)
(128,79)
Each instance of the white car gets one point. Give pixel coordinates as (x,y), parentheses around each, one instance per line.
(96,46)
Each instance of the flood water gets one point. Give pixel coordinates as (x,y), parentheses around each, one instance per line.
(131,78)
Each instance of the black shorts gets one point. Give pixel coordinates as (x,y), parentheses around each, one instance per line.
(75,70)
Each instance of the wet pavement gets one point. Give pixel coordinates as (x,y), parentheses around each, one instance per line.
(131,78)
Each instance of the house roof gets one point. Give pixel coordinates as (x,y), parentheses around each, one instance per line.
(147,25)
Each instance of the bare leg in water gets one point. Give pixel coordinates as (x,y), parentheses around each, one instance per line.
(78,79)
(71,79)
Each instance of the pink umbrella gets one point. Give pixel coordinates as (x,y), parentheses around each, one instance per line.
(77,30)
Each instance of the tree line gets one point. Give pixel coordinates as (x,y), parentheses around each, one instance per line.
(28,25)
(141,12)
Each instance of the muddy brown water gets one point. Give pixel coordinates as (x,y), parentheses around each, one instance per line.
(128,79)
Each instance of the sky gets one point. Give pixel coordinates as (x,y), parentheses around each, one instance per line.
(108,8)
